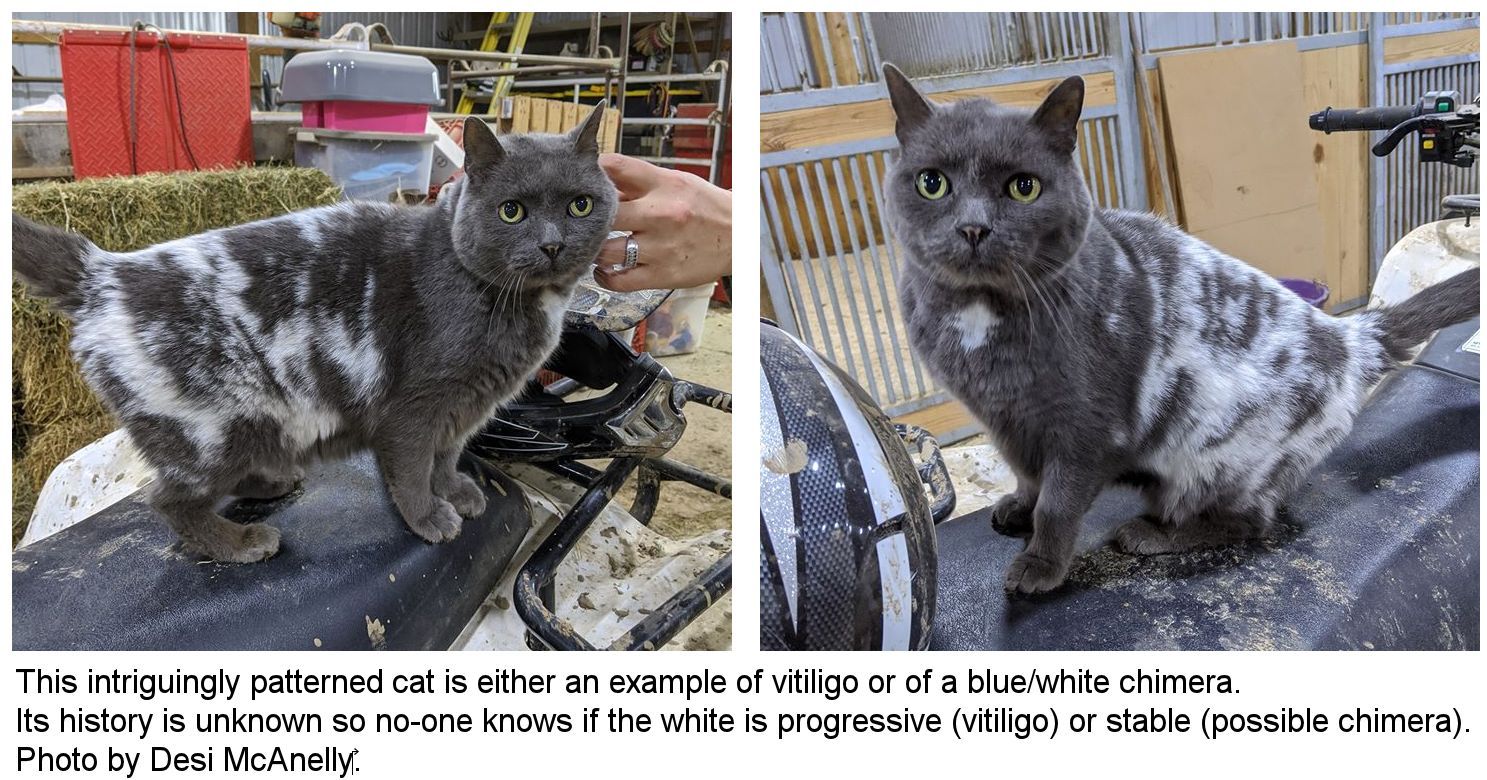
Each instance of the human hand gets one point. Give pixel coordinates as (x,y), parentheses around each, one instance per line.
(682,225)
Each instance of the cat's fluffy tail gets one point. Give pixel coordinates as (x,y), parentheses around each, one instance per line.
(51,262)
(1404,325)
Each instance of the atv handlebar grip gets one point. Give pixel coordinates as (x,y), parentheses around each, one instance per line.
(1334,120)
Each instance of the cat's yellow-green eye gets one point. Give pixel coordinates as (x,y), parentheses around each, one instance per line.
(1024,188)
(932,184)
(581,206)
(512,212)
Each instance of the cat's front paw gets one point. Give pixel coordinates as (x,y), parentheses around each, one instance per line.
(440,524)
(1012,516)
(1032,574)
(466,497)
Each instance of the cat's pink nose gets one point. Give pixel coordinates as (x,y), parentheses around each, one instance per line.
(973,234)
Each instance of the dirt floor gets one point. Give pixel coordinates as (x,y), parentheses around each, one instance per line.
(686,511)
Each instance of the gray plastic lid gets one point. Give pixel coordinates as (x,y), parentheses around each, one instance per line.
(373,76)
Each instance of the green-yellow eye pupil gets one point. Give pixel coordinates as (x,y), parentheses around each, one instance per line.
(580,206)
(511,211)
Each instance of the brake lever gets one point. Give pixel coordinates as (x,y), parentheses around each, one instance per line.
(1402,130)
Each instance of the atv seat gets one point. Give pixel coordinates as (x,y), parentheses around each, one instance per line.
(348,575)
(1378,550)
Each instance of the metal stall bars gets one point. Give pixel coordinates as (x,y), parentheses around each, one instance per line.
(830,264)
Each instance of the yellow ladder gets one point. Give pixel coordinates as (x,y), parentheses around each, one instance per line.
(521,27)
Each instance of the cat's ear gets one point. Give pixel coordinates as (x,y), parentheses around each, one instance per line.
(585,137)
(1058,117)
(910,109)
(482,149)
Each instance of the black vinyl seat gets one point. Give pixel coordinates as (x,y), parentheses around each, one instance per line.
(1378,550)
(348,575)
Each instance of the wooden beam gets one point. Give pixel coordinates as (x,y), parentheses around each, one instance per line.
(940,419)
(874,119)
(1424,47)
(842,50)
(248,25)
(816,47)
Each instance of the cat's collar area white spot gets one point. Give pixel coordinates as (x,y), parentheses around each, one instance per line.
(975,323)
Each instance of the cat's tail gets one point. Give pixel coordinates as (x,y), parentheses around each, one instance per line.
(1404,325)
(51,262)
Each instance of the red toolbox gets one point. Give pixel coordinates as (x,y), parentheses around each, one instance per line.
(210,78)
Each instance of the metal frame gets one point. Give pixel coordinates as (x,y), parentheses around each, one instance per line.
(609,70)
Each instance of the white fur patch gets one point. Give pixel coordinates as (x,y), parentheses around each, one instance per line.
(358,358)
(975,323)
(306,424)
(556,307)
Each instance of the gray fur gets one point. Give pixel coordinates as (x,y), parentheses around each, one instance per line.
(1102,346)
(235,356)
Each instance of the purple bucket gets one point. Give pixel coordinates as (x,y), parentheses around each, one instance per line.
(1314,293)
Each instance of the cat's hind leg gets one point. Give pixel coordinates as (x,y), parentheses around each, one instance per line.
(407,464)
(189,511)
(1214,527)
(458,489)
(1012,515)
(264,486)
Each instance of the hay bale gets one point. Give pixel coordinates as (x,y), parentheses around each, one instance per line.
(51,406)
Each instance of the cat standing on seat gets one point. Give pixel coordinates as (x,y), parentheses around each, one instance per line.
(1102,346)
(235,356)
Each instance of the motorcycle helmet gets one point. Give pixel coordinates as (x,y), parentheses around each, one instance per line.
(847,518)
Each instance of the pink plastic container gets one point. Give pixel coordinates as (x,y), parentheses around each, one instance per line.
(365,116)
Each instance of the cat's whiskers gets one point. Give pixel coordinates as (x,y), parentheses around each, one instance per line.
(1053,312)
(1031,329)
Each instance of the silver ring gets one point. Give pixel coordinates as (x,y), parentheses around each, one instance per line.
(632,253)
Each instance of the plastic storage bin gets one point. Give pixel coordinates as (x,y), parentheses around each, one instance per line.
(676,327)
(368,166)
(368,91)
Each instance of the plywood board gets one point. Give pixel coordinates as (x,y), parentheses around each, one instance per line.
(1243,155)
(1153,134)
(1338,77)
(874,118)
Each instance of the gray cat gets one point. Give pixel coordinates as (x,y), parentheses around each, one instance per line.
(1101,346)
(235,356)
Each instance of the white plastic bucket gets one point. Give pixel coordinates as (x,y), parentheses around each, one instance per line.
(676,327)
